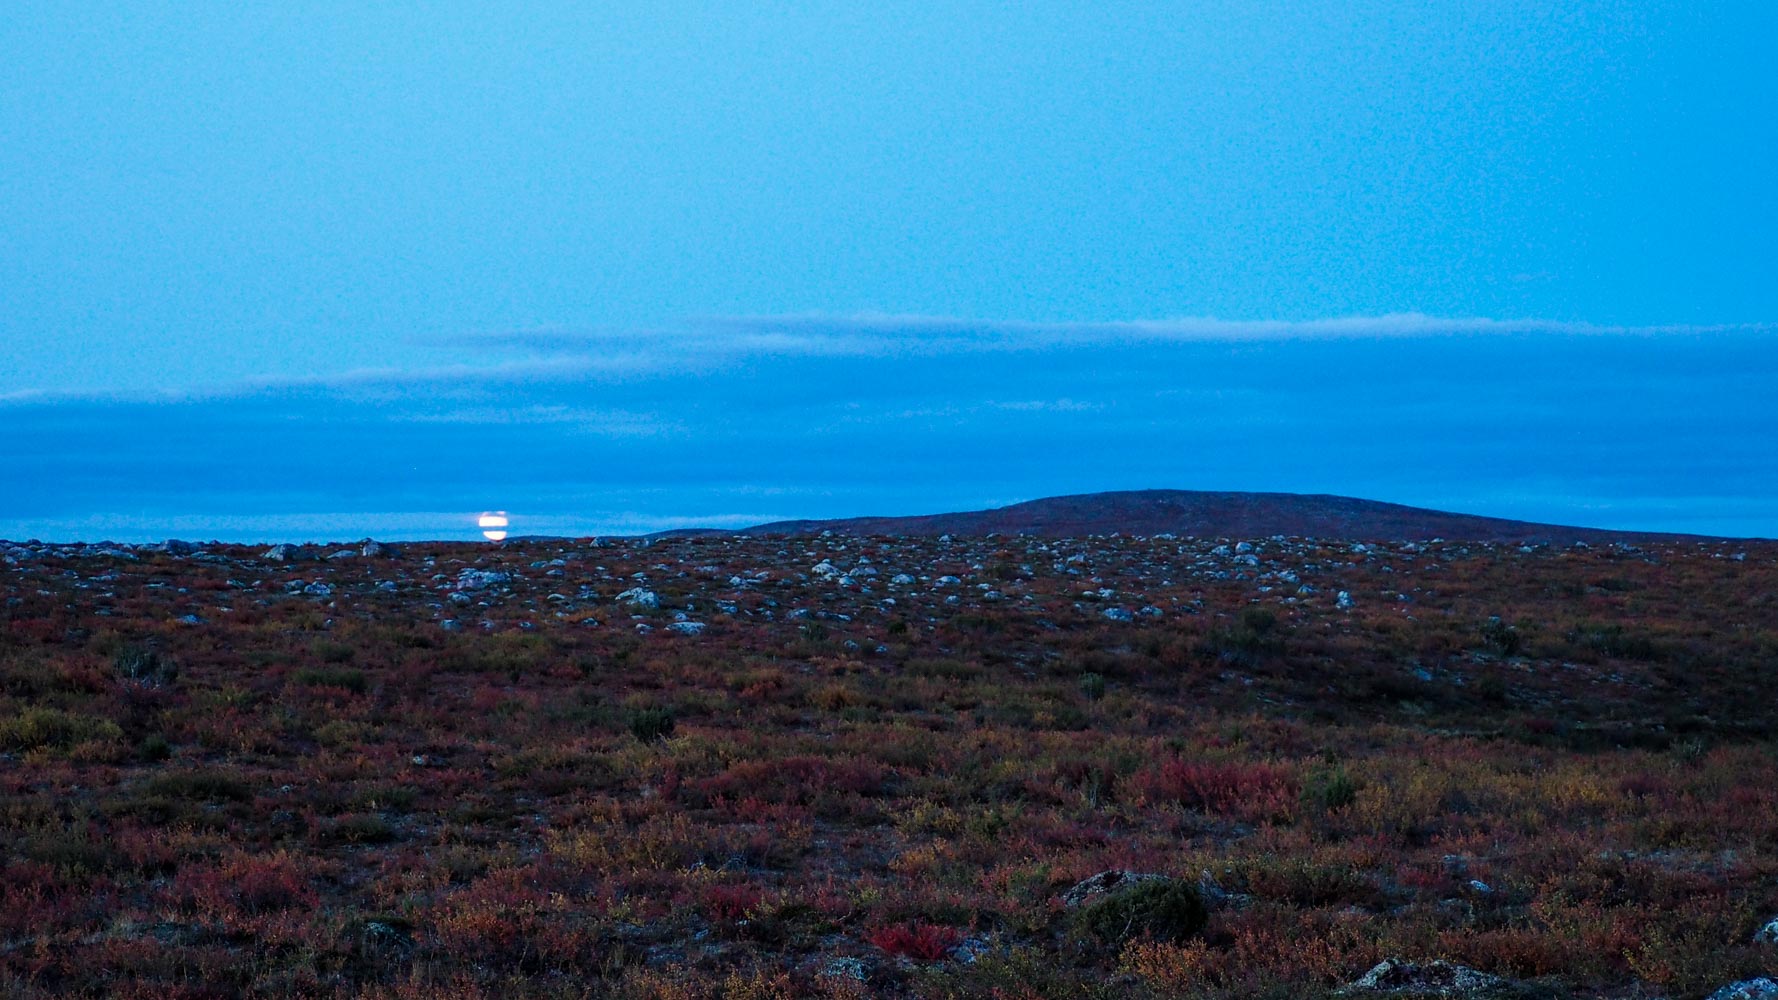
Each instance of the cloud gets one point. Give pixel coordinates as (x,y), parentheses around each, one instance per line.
(815,416)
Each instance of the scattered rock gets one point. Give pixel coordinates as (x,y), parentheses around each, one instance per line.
(855,969)
(1763,988)
(970,950)
(1767,934)
(374,550)
(1118,615)
(279,553)
(481,579)
(637,597)
(688,628)
(1343,601)
(318,589)
(1395,977)
(1092,887)
(1210,890)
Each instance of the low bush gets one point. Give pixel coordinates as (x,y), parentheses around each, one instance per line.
(39,727)
(1158,910)
(651,724)
(916,939)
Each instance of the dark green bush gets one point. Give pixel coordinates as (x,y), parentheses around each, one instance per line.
(650,724)
(1501,638)
(1160,909)
(136,663)
(207,786)
(332,652)
(363,828)
(1328,790)
(1253,636)
(38,727)
(349,678)
(154,748)
(1093,686)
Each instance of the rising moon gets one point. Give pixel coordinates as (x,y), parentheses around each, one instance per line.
(493,525)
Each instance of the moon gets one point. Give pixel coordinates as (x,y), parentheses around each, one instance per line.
(493,525)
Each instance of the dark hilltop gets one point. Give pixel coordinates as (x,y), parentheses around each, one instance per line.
(1207,514)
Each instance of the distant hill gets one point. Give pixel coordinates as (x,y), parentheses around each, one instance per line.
(1215,515)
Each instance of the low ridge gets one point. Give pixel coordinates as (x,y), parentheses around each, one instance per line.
(1217,515)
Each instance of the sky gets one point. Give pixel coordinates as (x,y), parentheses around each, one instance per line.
(328,270)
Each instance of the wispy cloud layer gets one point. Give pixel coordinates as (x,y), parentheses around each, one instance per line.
(730,420)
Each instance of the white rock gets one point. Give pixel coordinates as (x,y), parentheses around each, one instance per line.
(688,628)
(1429,979)
(477,579)
(1762,988)
(637,597)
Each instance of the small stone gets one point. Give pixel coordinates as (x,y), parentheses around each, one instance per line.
(688,628)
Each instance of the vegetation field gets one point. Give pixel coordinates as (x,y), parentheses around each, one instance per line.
(837,766)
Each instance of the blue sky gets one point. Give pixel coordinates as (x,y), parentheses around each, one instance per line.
(326,270)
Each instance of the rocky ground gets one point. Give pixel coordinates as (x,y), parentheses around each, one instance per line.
(835,766)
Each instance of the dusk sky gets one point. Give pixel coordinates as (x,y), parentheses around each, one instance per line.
(323,270)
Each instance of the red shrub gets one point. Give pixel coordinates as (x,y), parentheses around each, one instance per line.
(916,939)
(728,904)
(246,886)
(1246,791)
